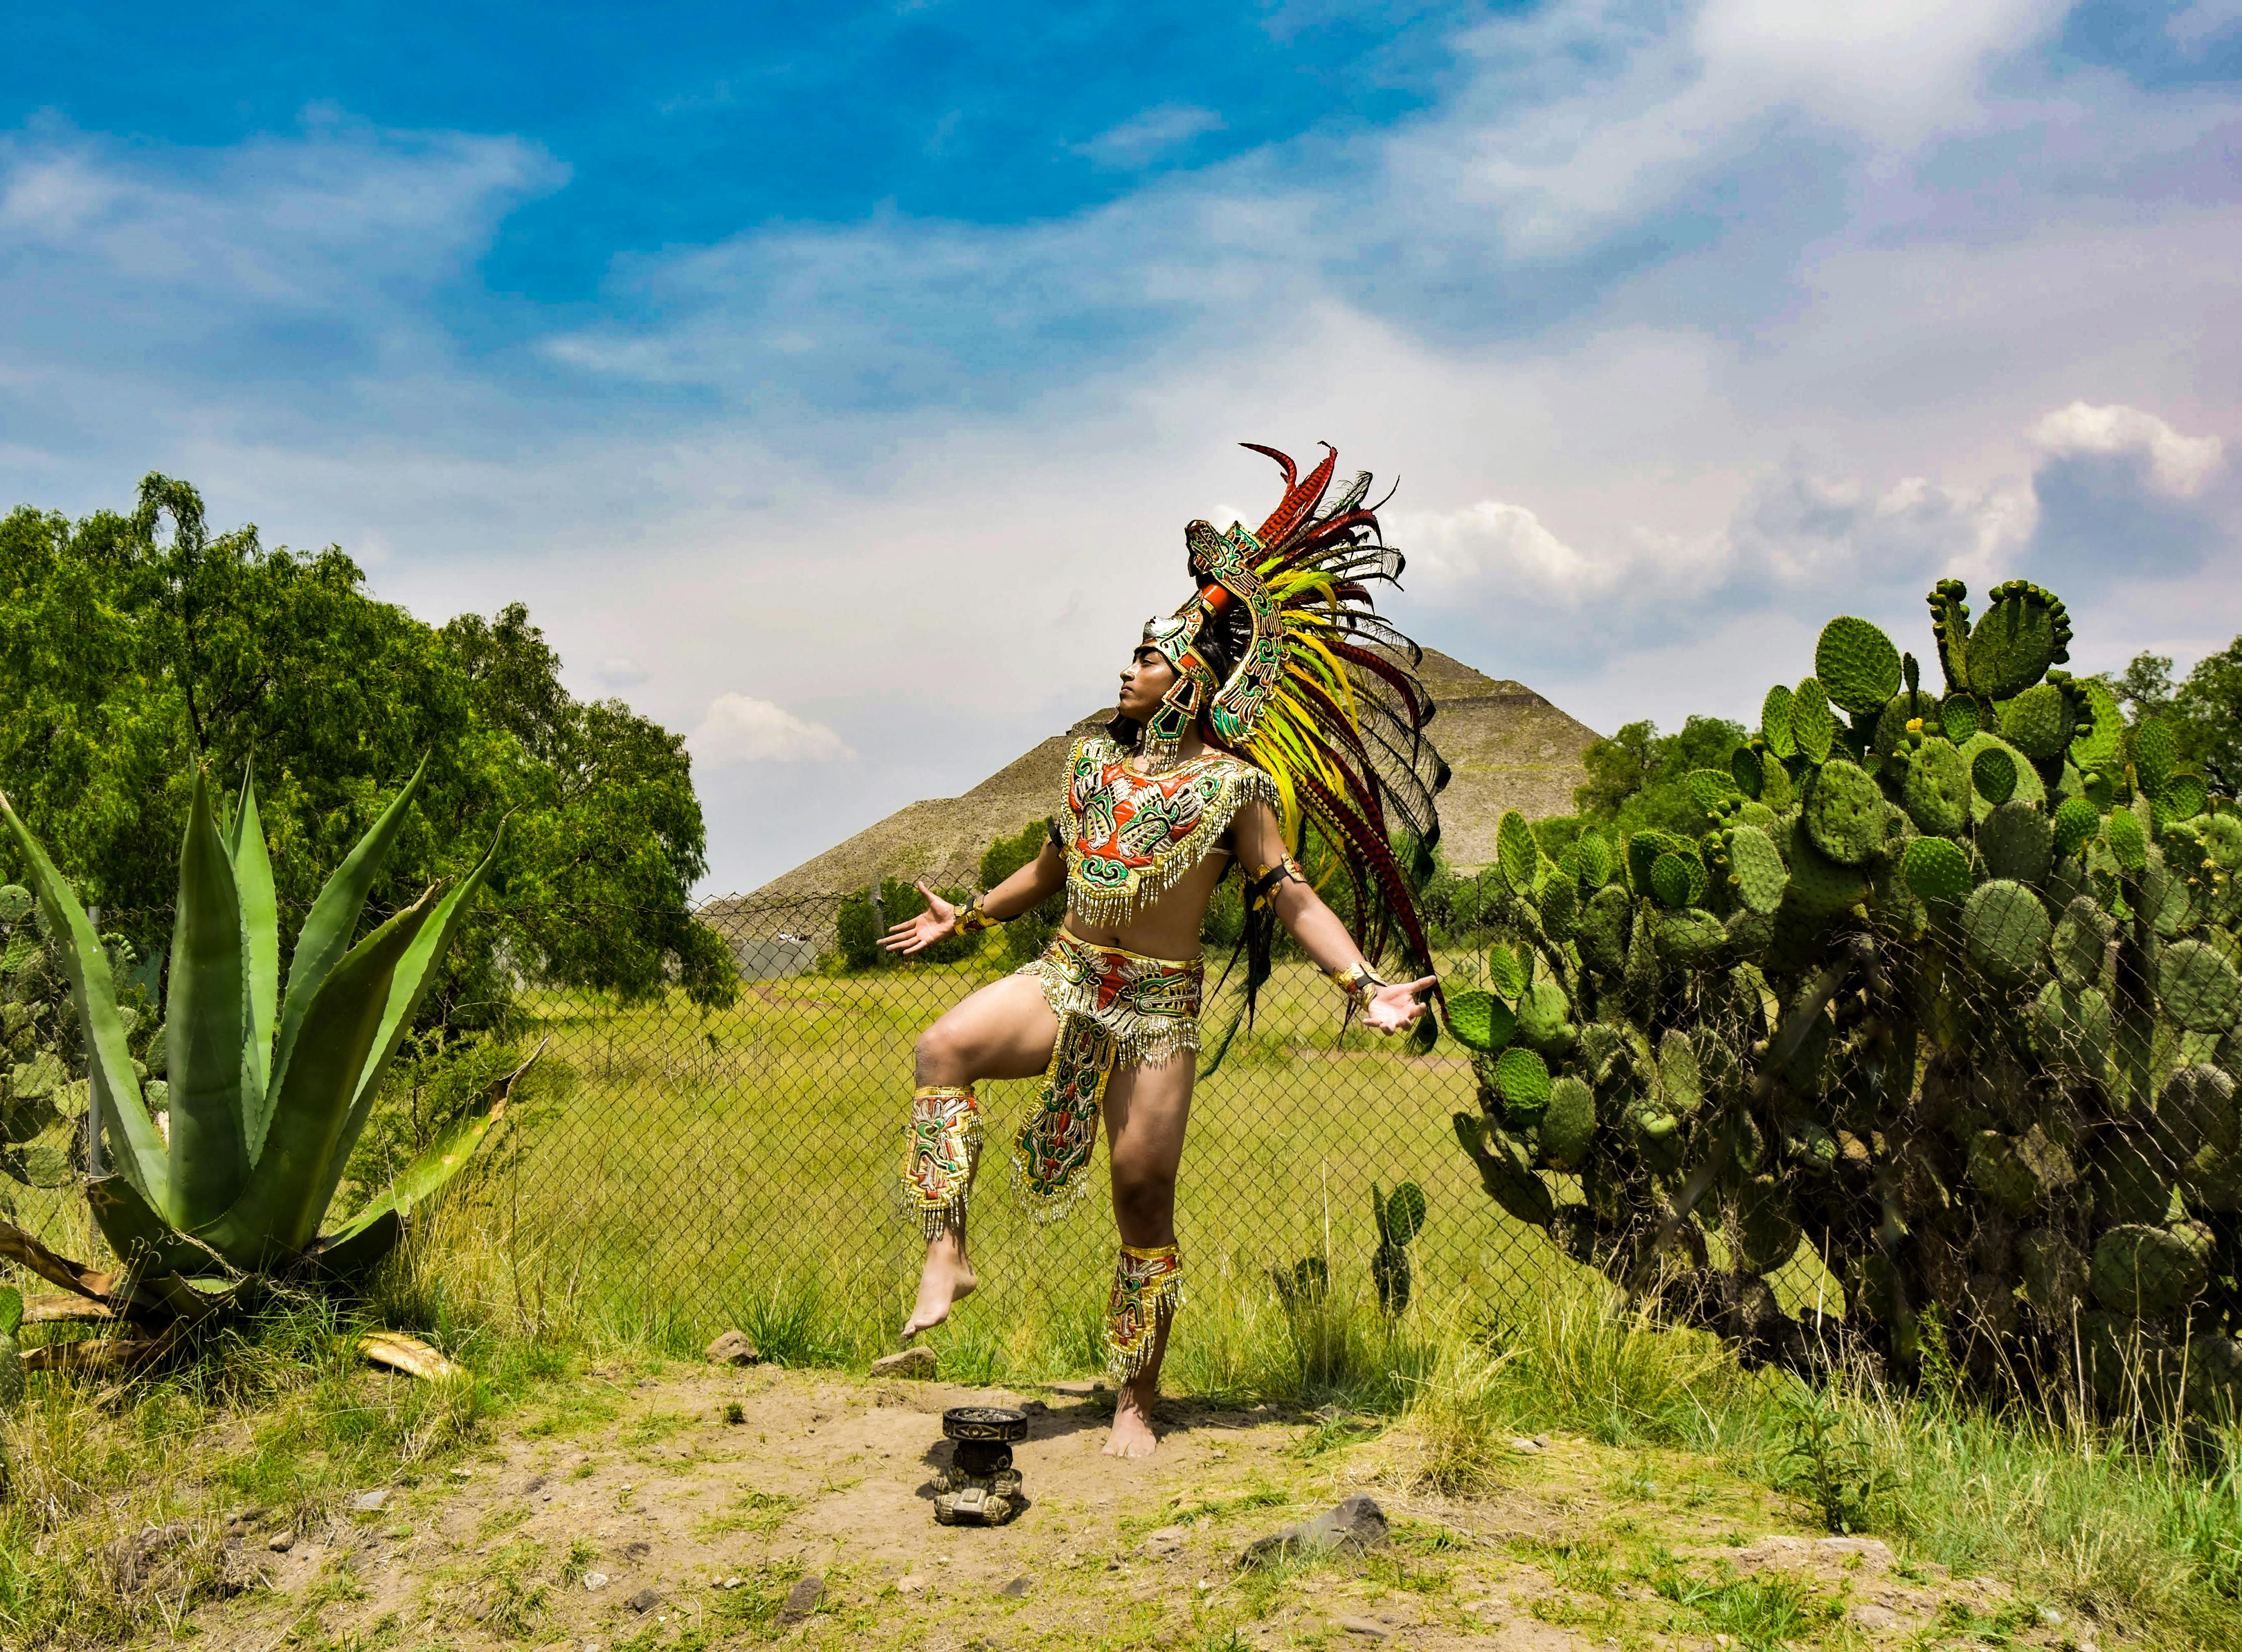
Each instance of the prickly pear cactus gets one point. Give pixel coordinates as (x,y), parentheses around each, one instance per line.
(1398,1217)
(1941,1011)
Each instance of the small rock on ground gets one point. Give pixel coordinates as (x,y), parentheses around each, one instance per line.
(281,1542)
(1015,1589)
(1357,1524)
(801,1600)
(734,1347)
(644,1601)
(1169,1540)
(367,1501)
(1363,1626)
(596,1581)
(911,1362)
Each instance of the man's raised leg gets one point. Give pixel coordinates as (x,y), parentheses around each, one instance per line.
(1004,1031)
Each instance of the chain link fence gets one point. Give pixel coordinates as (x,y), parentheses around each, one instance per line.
(685,1162)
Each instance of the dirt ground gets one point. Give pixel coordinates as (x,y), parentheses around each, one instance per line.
(630,1513)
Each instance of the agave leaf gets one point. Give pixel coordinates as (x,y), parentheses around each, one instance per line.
(116,1088)
(368,1236)
(143,1239)
(209,1155)
(415,975)
(287,1192)
(261,930)
(326,932)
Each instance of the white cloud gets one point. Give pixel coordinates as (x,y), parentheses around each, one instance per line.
(739,728)
(1147,135)
(619,673)
(2180,467)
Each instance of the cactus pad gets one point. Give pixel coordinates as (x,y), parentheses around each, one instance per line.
(2073,1025)
(1755,869)
(1813,725)
(1516,854)
(12,1310)
(15,902)
(1521,1080)
(2054,1272)
(1844,813)
(1764,1231)
(1996,1169)
(1506,975)
(2144,1271)
(2038,722)
(2184,798)
(1670,882)
(1775,722)
(1569,1123)
(1819,885)
(2005,927)
(2027,787)
(2156,754)
(1993,775)
(1962,717)
(1680,1079)
(1505,1175)
(2075,821)
(1595,852)
(1857,664)
(1937,871)
(1545,1019)
(1602,934)
(2196,1110)
(2017,842)
(1480,1020)
(2132,1178)
(1749,770)
(2129,845)
(1690,939)
(2023,632)
(2200,988)
(1937,790)
(1711,789)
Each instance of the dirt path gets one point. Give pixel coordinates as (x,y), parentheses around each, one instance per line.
(628,1513)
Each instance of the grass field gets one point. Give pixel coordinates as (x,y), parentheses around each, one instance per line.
(682,1174)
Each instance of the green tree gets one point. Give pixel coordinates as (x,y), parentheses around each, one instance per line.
(1634,776)
(2208,708)
(131,644)
(1026,936)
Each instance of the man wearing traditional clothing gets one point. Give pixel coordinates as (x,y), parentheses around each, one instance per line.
(1273,715)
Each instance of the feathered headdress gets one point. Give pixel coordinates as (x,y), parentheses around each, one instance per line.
(1324,697)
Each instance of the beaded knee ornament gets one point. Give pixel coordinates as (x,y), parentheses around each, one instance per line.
(1148,1289)
(945,1145)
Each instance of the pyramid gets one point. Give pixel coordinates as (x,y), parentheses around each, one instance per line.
(1506,746)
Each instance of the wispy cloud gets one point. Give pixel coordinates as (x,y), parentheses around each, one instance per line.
(1151,135)
(739,728)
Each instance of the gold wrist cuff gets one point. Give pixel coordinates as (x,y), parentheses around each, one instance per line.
(972,920)
(1358,981)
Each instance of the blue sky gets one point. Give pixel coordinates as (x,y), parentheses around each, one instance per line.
(834,385)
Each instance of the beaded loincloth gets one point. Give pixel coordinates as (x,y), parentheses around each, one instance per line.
(1115,1007)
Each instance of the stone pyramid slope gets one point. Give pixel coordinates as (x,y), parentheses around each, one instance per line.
(1509,748)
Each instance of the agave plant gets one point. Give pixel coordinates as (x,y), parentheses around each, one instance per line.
(268,1088)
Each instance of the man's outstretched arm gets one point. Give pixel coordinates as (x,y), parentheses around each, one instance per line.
(1386,1006)
(1034,883)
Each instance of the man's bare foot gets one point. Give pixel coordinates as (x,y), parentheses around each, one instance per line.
(946,1280)
(1132,1424)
